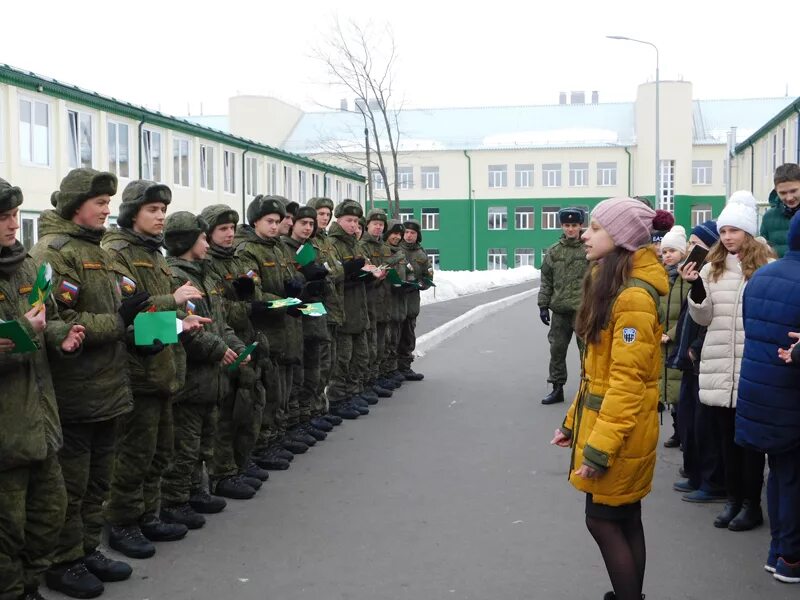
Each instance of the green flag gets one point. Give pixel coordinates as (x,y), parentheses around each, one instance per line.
(283,303)
(305,255)
(394,278)
(12,330)
(244,354)
(314,309)
(161,326)
(41,289)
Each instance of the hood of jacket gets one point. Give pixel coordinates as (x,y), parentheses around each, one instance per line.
(152,243)
(246,233)
(50,222)
(647,267)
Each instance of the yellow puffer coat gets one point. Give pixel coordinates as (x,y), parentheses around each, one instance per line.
(613,421)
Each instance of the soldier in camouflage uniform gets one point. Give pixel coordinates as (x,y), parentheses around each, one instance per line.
(32,495)
(562,274)
(144,448)
(420,273)
(242,409)
(208,354)
(398,306)
(351,339)
(334,304)
(93,389)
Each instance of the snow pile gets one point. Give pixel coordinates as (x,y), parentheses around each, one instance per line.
(452,284)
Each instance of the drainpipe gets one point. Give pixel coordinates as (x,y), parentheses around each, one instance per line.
(797,136)
(629,169)
(472,208)
(141,145)
(244,184)
(752,167)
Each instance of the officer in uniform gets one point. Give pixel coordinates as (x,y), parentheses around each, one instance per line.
(562,274)
(420,273)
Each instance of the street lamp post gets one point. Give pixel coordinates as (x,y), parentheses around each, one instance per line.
(658,156)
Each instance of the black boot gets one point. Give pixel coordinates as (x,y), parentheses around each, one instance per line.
(322,424)
(296,434)
(130,541)
(332,419)
(411,375)
(729,512)
(234,488)
(182,514)
(370,396)
(343,410)
(748,518)
(309,429)
(73,580)
(155,530)
(106,569)
(206,504)
(271,460)
(294,446)
(256,472)
(556,396)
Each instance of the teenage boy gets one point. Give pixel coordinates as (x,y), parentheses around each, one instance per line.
(784,203)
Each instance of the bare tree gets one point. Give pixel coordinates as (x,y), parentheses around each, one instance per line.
(361,59)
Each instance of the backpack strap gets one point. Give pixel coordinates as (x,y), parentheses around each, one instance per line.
(641,283)
(58,242)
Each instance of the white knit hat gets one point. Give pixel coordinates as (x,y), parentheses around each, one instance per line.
(740,212)
(675,238)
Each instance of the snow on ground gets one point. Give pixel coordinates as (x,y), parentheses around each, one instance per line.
(452,284)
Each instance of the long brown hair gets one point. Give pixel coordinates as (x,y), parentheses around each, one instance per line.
(752,255)
(600,286)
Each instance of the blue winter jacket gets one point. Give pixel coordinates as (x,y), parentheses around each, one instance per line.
(768,406)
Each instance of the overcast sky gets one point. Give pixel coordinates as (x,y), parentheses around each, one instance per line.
(174,55)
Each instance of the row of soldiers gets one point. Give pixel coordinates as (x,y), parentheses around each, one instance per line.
(97,430)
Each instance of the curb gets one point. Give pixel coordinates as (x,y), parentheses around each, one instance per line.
(433,338)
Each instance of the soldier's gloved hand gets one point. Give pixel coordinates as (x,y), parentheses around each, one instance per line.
(353,266)
(132,306)
(150,350)
(258,309)
(245,287)
(314,289)
(544,315)
(293,287)
(314,272)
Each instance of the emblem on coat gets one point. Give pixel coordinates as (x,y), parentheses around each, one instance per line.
(67,293)
(629,335)
(127,285)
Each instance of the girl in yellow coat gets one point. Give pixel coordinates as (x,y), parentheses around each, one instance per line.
(612,426)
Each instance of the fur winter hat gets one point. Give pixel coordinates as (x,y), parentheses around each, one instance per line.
(377,214)
(675,238)
(10,196)
(265,205)
(740,212)
(181,230)
(348,208)
(138,193)
(320,202)
(307,212)
(219,214)
(80,185)
(394,226)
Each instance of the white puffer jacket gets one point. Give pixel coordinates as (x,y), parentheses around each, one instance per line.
(721,312)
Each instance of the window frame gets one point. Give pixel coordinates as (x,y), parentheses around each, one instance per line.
(496,259)
(118,125)
(179,159)
(707,170)
(32,146)
(606,175)
(548,170)
(531,253)
(207,167)
(526,172)
(435,258)
(405,214)
(498,176)
(579,174)
(405,177)
(700,213)
(524,213)
(75,145)
(147,158)
(429,214)
(497,218)
(429,178)
(547,212)
(251,176)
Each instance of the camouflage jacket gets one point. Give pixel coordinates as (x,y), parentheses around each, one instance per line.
(419,271)
(345,247)
(562,271)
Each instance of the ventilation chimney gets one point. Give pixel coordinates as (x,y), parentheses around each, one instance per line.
(577,98)
(595,97)
(562,97)
(343,105)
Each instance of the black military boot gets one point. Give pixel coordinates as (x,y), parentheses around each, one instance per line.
(370,396)
(322,424)
(270,460)
(155,530)
(387,383)
(332,419)
(106,569)
(729,512)
(130,541)
(297,434)
(382,392)
(343,410)
(182,514)
(397,377)
(73,580)
(252,482)
(254,471)
(281,452)
(556,396)
(206,504)
(749,517)
(412,375)
(234,488)
(309,429)
(359,405)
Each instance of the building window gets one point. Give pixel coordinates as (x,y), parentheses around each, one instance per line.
(550,217)
(774,151)
(272,178)
(251,176)
(338,191)
(498,176)
(701,172)
(498,217)
(406,214)
(700,214)
(80,139)
(34,132)
(358,191)
(783,146)
(151,155)
(523,217)
(302,190)
(377,180)
(207,167)
(350,190)
(28,229)
(523,176)
(430,178)
(666,198)
(578,174)
(118,149)
(430,218)
(433,256)
(524,257)
(287,181)
(314,185)
(405,176)
(551,175)
(498,259)
(180,161)
(229,171)
(327,188)
(606,173)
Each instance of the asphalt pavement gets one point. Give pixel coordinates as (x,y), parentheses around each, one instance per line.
(449,490)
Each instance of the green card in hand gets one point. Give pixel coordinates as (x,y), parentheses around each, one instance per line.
(150,326)
(314,309)
(305,255)
(244,354)
(12,330)
(283,303)
(394,278)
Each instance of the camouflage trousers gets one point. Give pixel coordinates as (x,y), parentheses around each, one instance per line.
(144,450)
(368,374)
(352,356)
(304,402)
(391,339)
(277,380)
(32,506)
(238,426)
(407,343)
(561,329)
(195,431)
(327,358)
(87,460)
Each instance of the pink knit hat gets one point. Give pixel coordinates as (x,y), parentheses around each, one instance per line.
(629,222)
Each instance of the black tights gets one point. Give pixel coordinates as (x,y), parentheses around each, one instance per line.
(624,552)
